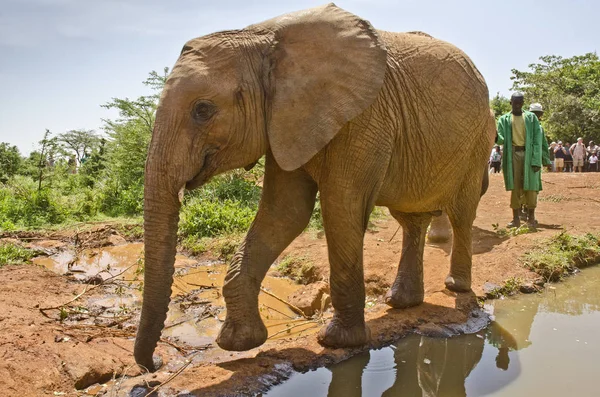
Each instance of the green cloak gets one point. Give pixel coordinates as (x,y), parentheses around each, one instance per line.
(533,150)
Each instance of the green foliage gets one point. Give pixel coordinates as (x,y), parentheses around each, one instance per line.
(299,268)
(122,189)
(82,142)
(10,161)
(204,218)
(510,287)
(12,254)
(511,231)
(500,105)
(569,90)
(562,254)
(227,204)
(23,206)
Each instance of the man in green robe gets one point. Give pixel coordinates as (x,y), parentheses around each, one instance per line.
(521,134)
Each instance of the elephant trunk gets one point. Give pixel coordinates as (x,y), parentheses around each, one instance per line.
(161,216)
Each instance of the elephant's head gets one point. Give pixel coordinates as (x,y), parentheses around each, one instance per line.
(286,85)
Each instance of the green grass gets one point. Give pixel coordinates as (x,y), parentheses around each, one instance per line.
(510,287)
(224,247)
(511,231)
(299,268)
(561,254)
(12,254)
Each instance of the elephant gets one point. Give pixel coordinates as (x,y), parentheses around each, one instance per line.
(336,107)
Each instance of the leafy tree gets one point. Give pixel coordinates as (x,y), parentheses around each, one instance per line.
(126,148)
(79,141)
(500,105)
(569,90)
(10,161)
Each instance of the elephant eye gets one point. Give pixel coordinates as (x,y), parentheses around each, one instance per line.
(203,111)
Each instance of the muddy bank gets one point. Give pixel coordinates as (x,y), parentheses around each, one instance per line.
(94,340)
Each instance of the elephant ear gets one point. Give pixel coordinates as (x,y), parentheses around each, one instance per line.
(327,66)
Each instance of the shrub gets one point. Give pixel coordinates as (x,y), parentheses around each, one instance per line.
(562,253)
(11,254)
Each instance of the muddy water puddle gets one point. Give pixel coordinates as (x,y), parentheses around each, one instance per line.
(539,345)
(197,307)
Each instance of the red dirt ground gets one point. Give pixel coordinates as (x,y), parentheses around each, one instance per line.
(40,356)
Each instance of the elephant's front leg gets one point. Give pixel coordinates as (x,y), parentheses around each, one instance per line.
(345,218)
(286,206)
(408,289)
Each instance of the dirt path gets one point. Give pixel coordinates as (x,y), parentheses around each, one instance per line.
(42,356)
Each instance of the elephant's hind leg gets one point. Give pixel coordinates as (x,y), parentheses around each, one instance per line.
(461,218)
(408,289)
(286,205)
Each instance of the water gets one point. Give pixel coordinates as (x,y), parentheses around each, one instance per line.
(540,345)
(197,308)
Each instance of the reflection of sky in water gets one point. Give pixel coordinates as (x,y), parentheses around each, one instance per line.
(543,344)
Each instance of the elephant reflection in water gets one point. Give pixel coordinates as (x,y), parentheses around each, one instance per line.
(426,366)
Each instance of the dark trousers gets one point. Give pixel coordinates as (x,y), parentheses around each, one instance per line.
(496,166)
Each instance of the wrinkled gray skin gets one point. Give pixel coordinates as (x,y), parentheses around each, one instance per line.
(337,107)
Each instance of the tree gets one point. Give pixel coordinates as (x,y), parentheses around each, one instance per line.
(569,90)
(80,141)
(500,105)
(10,161)
(127,146)
(46,156)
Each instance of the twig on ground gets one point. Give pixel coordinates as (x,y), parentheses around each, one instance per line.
(394,235)
(85,290)
(296,309)
(203,286)
(176,374)
(275,310)
(288,329)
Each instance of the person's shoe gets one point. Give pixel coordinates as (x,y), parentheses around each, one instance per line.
(531,222)
(516,222)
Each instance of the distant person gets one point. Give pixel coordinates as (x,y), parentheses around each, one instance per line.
(495,159)
(521,134)
(578,151)
(592,148)
(593,159)
(568,158)
(559,157)
(551,156)
(537,109)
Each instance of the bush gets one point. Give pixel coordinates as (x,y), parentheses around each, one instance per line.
(23,206)
(562,253)
(225,205)
(11,254)
(204,218)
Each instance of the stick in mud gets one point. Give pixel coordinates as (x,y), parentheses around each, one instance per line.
(85,290)
(296,309)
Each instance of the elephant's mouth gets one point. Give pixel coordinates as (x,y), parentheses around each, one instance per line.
(203,175)
(196,181)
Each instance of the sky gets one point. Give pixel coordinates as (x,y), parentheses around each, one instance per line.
(61,59)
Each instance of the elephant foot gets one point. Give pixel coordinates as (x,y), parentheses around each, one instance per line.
(335,335)
(402,297)
(458,284)
(242,335)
